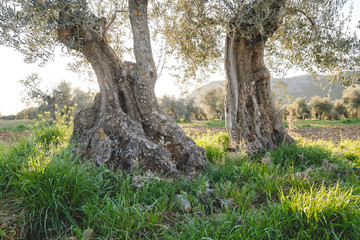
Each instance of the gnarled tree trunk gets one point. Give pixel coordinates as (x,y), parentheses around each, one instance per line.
(251,118)
(125,128)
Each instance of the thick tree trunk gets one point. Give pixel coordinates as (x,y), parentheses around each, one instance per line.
(125,128)
(251,118)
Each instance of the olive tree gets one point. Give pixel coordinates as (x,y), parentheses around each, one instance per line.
(214,100)
(299,109)
(339,110)
(320,107)
(34,92)
(351,99)
(179,109)
(307,34)
(125,127)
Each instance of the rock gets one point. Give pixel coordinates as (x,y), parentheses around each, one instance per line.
(184,203)
(88,234)
(227,203)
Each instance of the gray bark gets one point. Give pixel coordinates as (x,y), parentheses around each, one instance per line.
(125,128)
(251,118)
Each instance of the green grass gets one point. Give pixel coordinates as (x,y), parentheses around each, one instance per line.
(351,121)
(215,123)
(15,125)
(204,123)
(305,190)
(325,123)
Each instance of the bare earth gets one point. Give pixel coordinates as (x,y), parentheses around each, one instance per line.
(10,136)
(333,133)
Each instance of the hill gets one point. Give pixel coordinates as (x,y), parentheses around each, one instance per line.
(299,86)
(305,86)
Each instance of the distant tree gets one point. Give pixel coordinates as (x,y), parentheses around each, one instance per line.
(170,106)
(180,109)
(82,99)
(281,107)
(299,109)
(190,109)
(321,107)
(214,101)
(351,98)
(33,92)
(339,110)
(28,113)
(62,97)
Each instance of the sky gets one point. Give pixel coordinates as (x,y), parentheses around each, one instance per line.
(13,69)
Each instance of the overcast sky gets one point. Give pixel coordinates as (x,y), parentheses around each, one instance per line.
(13,69)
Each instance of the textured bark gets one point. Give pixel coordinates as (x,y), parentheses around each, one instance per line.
(125,128)
(251,118)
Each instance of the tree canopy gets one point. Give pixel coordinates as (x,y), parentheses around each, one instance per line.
(310,35)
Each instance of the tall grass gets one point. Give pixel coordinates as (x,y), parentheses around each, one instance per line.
(216,145)
(305,190)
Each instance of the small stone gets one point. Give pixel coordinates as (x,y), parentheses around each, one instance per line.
(185,204)
(88,234)
(227,203)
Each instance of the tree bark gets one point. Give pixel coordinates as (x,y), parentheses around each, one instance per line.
(251,118)
(125,128)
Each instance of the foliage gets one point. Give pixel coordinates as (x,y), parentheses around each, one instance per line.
(339,110)
(214,101)
(321,107)
(182,109)
(298,33)
(351,99)
(28,113)
(299,109)
(60,98)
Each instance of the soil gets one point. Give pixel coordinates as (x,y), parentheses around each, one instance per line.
(8,136)
(333,133)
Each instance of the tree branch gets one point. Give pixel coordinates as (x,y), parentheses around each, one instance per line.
(295,10)
(112,20)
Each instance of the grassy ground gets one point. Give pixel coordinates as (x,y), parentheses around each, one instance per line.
(326,123)
(296,123)
(15,125)
(306,190)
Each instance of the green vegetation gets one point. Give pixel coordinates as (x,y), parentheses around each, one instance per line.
(323,123)
(215,123)
(306,190)
(15,125)
(351,121)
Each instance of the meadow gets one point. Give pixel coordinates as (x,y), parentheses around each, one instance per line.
(305,190)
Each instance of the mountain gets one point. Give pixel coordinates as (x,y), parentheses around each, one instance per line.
(299,86)
(305,86)
(198,92)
